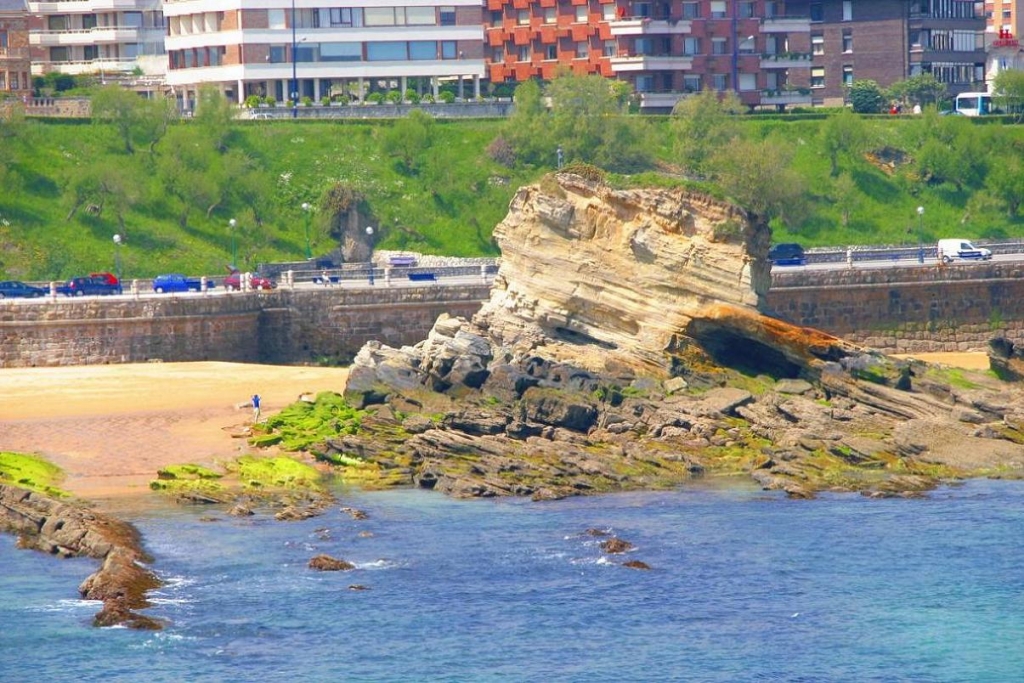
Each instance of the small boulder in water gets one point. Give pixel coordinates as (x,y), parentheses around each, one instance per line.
(615,546)
(326,563)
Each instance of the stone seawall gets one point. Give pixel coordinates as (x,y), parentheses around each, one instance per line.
(283,326)
(907,310)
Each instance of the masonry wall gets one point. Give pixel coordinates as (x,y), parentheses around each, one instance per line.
(282,327)
(907,310)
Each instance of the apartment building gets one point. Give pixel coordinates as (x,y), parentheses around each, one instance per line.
(890,40)
(96,36)
(663,49)
(15,64)
(315,49)
(1005,16)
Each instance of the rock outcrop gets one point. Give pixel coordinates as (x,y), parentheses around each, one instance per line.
(623,346)
(72,530)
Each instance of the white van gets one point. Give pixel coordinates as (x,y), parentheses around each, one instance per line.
(961,249)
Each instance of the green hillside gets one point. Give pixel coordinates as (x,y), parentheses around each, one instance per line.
(440,187)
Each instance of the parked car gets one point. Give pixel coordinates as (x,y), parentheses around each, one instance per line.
(234,281)
(787,254)
(15,289)
(951,249)
(109,278)
(176,282)
(86,286)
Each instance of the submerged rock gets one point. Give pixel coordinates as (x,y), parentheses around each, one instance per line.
(326,563)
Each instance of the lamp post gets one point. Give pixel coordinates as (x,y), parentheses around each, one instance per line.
(295,77)
(306,208)
(920,234)
(369,235)
(117,257)
(234,252)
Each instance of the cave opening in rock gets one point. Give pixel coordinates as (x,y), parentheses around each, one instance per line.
(731,349)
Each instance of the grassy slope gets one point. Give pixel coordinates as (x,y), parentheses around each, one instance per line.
(449,206)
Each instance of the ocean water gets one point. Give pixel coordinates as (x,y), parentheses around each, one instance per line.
(744,586)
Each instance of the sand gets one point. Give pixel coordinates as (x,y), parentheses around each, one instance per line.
(111,427)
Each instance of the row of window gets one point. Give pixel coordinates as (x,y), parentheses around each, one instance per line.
(120,51)
(384,51)
(13,80)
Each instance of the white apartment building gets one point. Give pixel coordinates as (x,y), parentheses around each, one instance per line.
(96,36)
(272,48)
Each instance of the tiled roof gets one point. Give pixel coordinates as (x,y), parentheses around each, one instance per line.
(7,6)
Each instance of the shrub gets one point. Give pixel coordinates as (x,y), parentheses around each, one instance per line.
(411,96)
(307,101)
(325,101)
(271,102)
(376,97)
(394,97)
(252,101)
(446,96)
(501,151)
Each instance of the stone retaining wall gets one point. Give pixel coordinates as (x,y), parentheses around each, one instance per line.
(907,310)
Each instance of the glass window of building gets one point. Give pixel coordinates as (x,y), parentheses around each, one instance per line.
(420,16)
(447,16)
(550,52)
(818,45)
(523,17)
(718,9)
(746,10)
(691,10)
(448,49)
(582,50)
(275,19)
(847,75)
(748,82)
(719,82)
(718,46)
(817,11)
(549,15)
(847,10)
(611,48)
(691,46)
(847,41)
(582,13)
(691,83)
(524,53)
(817,77)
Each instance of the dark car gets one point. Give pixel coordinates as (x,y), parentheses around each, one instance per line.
(787,254)
(15,289)
(87,286)
(176,282)
(234,281)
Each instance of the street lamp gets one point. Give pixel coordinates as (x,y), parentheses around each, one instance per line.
(920,234)
(306,208)
(369,235)
(234,252)
(117,257)
(295,76)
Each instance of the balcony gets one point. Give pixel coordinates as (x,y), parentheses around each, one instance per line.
(630,63)
(82,6)
(660,100)
(85,36)
(786,25)
(786,60)
(636,26)
(778,98)
(14,53)
(91,66)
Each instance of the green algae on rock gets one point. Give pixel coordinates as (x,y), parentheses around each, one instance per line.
(31,472)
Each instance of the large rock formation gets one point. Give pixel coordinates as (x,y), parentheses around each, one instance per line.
(623,346)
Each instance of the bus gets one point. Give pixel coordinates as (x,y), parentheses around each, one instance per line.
(973,103)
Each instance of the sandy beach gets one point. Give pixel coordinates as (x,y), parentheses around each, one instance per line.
(111,427)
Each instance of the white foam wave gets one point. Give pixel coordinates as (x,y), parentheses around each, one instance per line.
(67,605)
(378,564)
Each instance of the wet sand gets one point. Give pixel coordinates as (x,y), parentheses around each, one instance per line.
(111,427)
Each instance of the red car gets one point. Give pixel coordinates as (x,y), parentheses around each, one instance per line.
(109,278)
(234,281)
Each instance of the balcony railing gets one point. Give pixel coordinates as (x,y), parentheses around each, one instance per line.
(86,36)
(651,63)
(785,24)
(13,53)
(786,60)
(640,26)
(795,96)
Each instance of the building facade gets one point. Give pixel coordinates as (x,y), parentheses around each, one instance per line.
(15,62)
(1005,16)
(316,50)
(96,36)
(890,40)
(663,49)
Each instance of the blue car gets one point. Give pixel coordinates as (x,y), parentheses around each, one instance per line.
(13,288)
(175,282)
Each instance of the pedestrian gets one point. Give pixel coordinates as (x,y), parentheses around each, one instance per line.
(255,408)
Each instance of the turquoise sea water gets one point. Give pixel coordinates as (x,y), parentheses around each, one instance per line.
(744,586)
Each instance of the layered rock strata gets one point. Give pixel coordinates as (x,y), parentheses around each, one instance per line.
(623,346)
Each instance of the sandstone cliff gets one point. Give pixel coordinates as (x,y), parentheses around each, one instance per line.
(623,346)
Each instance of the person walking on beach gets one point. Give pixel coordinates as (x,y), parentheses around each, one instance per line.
(255,408)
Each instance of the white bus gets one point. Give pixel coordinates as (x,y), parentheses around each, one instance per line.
(973,103)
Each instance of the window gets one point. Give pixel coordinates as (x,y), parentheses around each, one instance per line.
(748,82)
(609,12)
(3,42)
(748,45)
(550,52)
(387,51)
(771,79)
(771,45)
(275,18)
(448,16)
(88,21)
(582,14)
(847,10)
(497,18)
(524,53)
(523,17)
(91,52)
(498,55)
(770,9)
(817,12)
(57,23)
(746,10)
(719,82)
(691,46)
(644,83)
(379,16)
(582,50)
(691,10)
(3,82)
(643,46)
(448,50)
(818,45)
(422,50)
(549,15)
(718,9)
(691,83)
(341,16)
(847,76)
(278,55)
(718,46)
(611,48)
(420,16)
(817,77)
(350,52)
(847,41)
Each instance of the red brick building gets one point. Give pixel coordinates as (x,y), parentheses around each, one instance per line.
(663,49)
(15,63)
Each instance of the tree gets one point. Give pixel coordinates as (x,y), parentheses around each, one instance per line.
(1006,183)
(214,114)
(1008,88)
(702,124)
(842,134)
(846,197)
(866,97)
(758,176)
(138,121)
(528,128)
(409,139)
(922,89)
